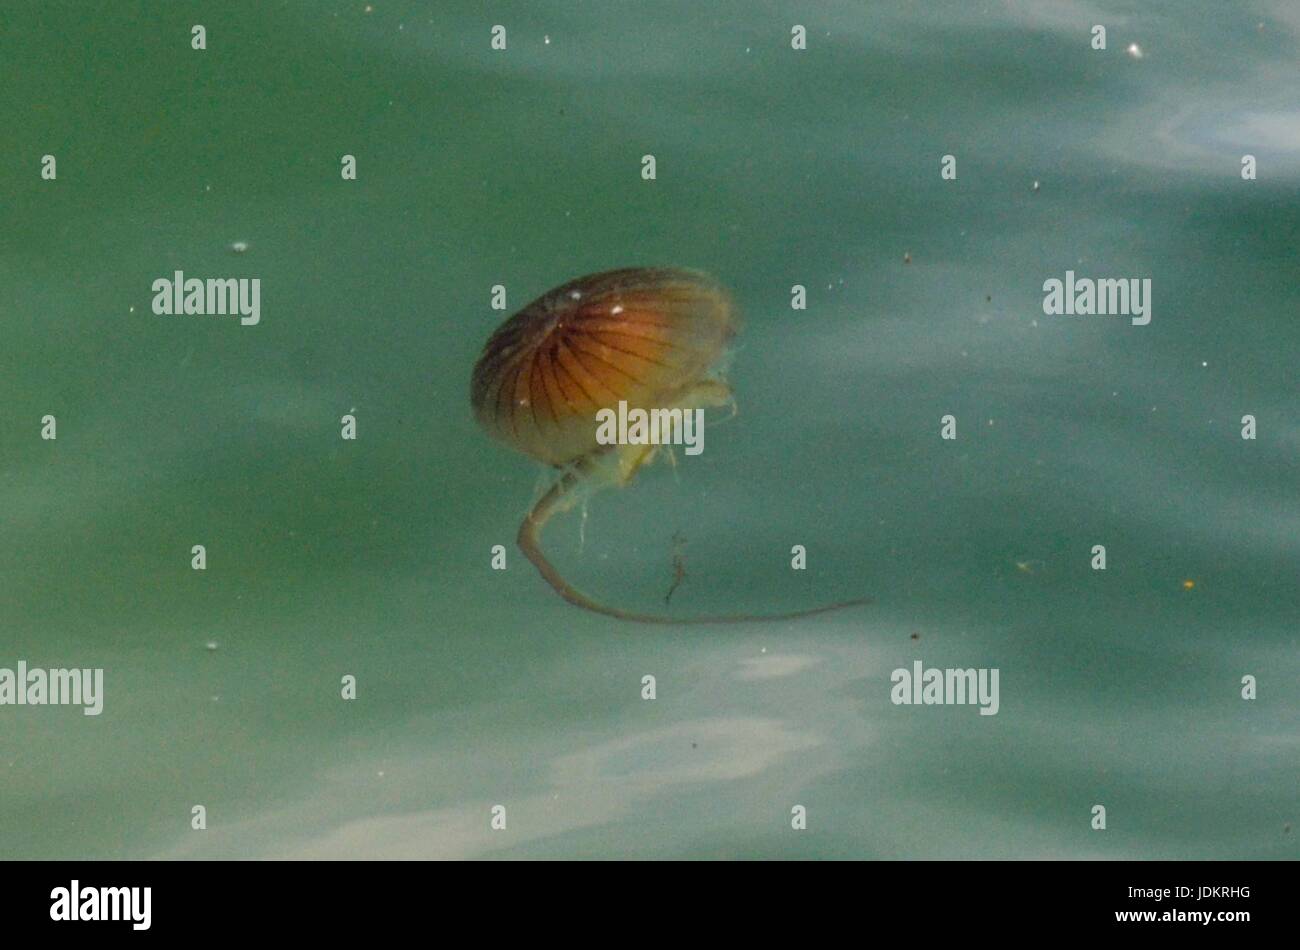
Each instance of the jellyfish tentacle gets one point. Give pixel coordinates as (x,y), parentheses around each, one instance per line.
(631,458)
(561,498)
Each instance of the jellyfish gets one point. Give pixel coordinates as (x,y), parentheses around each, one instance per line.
(649,337)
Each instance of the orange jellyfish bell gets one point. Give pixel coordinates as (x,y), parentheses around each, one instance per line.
(647,337)
(652,338)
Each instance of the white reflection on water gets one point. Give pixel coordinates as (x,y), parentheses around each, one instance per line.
(585,789)
(362,808)
(773,667)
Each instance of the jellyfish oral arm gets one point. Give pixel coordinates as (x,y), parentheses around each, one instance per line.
(560,498)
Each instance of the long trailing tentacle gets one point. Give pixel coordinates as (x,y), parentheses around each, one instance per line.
(560,498)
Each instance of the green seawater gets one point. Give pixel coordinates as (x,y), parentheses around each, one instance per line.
(774,167)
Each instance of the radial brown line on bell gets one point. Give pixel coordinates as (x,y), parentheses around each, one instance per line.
(631,334)
(636,380)
(537,398)
(512,397)
(597,379)
(495,360)
(554,400)
(592,404)
(526,397)
(505,414)
(568,399)
(627,328)
(640,356)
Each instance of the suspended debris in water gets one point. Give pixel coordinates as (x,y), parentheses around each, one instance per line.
(679,565)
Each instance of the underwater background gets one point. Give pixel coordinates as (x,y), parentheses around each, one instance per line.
(774,167)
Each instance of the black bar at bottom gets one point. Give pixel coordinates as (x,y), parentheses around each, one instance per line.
(1222,900)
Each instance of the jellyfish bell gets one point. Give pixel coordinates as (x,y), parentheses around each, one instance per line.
(651,338)
(647,338)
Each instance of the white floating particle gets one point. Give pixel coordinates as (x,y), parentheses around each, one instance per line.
(212,646)
(546,40)
(239,247)
(1134,50)
(1036,185)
